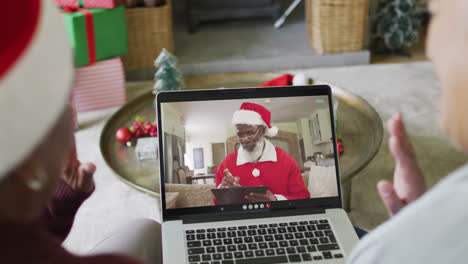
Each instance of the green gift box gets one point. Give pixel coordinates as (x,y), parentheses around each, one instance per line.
(96,34)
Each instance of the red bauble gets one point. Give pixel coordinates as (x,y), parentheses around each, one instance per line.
(123,135)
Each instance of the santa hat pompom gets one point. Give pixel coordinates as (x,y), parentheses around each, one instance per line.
(273,131)
(300,79)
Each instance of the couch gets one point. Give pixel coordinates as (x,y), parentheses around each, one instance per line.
(194,195)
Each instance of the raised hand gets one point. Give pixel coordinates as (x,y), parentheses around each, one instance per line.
(229,180)
(408,179)
(77,175)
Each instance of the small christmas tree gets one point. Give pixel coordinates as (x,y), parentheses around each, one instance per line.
(168,77)
(397,23)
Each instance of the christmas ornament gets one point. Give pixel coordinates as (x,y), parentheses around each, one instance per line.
(123,135)
(140,128)
(168,77)
(145,128)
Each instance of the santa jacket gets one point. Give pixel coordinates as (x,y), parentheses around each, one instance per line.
(276,169)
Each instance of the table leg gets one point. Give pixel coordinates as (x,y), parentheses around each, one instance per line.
(346,188)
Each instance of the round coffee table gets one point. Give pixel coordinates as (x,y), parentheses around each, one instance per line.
(358,123)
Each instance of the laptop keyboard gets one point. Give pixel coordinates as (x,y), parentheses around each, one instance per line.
(265,243)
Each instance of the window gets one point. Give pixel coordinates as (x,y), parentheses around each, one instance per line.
(198,158)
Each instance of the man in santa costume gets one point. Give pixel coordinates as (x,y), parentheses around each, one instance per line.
(258,162)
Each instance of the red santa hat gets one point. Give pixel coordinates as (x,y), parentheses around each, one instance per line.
(36,72)
(254,114)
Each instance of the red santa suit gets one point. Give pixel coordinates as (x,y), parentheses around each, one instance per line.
(276,169)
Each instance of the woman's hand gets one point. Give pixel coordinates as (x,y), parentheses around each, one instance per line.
(408,180)
(77,175)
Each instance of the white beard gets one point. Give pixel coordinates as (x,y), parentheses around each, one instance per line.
(254,155)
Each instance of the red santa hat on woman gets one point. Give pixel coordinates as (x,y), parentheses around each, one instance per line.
(36,72)
(254,114)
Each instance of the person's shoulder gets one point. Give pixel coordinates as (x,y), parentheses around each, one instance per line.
(230,157)
(458,177)
(282,153)
(435,216)
(109,259)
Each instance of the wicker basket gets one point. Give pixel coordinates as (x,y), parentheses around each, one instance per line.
(335,26)
(149,31)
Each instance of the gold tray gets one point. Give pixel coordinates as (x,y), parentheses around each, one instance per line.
(359,125)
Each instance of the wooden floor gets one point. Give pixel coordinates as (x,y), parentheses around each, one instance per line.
(417,52)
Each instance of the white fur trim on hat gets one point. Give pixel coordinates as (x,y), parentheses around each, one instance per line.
(35,91)
(252,118)
(247,117)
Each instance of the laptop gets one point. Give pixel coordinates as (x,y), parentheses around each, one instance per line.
(303,223)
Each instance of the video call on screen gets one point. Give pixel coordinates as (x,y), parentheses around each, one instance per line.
(199,139)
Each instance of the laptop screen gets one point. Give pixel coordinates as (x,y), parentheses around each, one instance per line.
(244,150)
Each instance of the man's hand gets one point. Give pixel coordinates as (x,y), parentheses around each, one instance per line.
(78,176)
(229,180)
(258,197)
(408,180)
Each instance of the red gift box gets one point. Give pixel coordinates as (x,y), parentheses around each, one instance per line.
(88,3)
(100,85)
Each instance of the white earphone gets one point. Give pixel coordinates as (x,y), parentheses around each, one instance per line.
(37,183)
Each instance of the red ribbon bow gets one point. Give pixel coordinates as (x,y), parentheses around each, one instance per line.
(89,31)
(81,3)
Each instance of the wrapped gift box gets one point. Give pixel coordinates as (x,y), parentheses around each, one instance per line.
(96,34)
(100,85)
(89,3)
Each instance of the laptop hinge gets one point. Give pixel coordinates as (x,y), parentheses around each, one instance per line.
(250,215)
